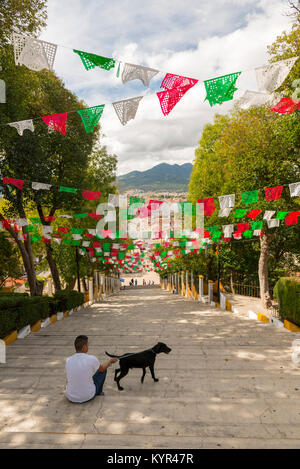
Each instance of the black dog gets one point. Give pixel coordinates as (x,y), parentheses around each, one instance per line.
(139,360)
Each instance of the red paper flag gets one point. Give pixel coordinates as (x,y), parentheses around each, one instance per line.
(286,106)
(241,227)
(15,182)
(176,86)
(50,218)
(177,81)
(273,193)
(45,240)
(253,214)
(95,215)
(292,218)
(91,195)
(5,224)
(57,122)
(209,206)
(63,229)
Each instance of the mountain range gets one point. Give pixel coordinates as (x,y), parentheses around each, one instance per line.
(162,177)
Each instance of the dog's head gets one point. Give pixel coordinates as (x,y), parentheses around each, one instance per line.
(160,347)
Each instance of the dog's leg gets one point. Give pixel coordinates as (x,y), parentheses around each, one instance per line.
(152,373)
(144,373)
(121,375)
(116,372)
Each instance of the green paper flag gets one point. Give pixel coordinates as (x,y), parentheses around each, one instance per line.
(80,215)
(77,231)
(118,71)
(281,215)
(257,225)
(31,228)
(75,242)
(35,220)
(240,213)
(221,89)
(91,116)
(247,234)
(213,229)
(136,200)
(216,236)
(70,190)
(249,197)
(35,238)
(92,60)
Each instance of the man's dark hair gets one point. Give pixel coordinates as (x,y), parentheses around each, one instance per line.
(80,341)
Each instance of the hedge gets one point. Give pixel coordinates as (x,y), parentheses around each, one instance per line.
(287,292)
(68,299)
(18,311)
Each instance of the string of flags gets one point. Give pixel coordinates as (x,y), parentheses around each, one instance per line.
(226,202)
(36,54)
(19,183)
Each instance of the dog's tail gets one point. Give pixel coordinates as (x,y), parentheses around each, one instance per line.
(119,356)
(113,356)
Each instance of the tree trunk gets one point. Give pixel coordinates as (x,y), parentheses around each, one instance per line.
(53,268)
(35,286)
(263,272)
(85,285)
(51,261)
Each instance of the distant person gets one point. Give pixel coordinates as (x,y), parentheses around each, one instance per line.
(135,282)
(85,375)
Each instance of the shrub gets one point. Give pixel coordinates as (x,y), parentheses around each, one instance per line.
(287,292)
(19,311)
(68,299)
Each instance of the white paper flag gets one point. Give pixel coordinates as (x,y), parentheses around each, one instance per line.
(224,212)
(126,109)
(270,77)
(47,229)
(22,125)
(138,72)
(113,199)
(256,232)
(254,98)
(268,214)
(227,201)
(85,244)
(40,185)
(33,53)
(21,222)
(295,189)
(273,223)
(228,230)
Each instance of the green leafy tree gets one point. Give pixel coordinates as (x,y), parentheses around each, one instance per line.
(21,16)
(10,265)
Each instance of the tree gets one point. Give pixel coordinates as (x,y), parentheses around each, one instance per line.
(60,160)
(10,265)
(21,16)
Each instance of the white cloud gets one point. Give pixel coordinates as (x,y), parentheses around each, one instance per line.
(193,38)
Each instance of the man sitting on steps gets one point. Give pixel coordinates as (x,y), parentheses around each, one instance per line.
(85,375)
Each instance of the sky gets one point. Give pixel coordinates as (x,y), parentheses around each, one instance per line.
(193,38)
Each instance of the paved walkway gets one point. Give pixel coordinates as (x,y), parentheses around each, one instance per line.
(229,381)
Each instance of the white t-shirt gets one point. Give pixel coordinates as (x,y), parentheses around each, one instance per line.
(80,369)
